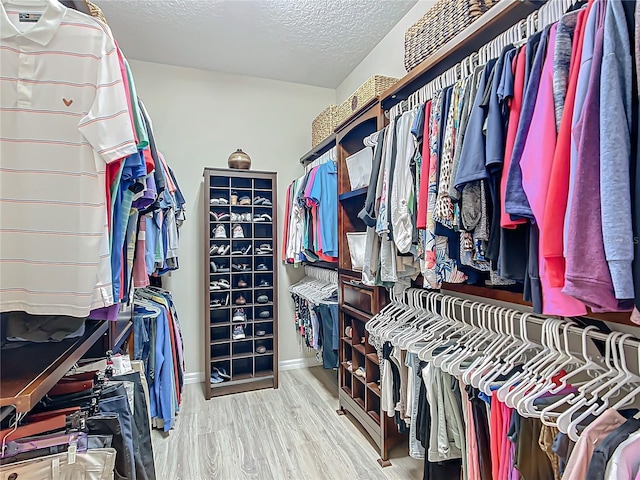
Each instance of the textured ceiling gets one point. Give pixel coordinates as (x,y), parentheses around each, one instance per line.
(314,42)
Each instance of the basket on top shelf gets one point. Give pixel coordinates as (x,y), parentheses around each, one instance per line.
(440,24)
(369,90)
(324,125)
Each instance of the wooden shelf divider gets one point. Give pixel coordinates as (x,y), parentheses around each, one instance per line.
(30,371)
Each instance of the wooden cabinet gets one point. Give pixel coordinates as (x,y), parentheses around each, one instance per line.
(359,371)
(240,280)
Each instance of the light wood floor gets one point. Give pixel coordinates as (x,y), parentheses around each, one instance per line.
(289,433)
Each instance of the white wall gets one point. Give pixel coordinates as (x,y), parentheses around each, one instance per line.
(199,118)
(387,58)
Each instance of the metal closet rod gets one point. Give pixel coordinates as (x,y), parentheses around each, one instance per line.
(533,318)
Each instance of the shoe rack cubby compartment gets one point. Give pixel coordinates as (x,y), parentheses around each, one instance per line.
(360,394)
(240,272)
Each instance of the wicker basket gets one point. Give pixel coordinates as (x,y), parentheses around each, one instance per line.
(367,91)
(324,125)
(440,24)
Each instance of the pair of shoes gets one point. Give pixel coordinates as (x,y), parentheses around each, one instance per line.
(261,201)
(264,249)
(244,201)
(261,349)
(262,218)
(360,372)
(219,303)
(219,201)
(347,331)
(219,249)
(218,375)
(262,267)
(238,232)
(219,285)
(240,300)
(264,314)
(240,217)
(238,332)
(219,231)
(239,315)
(242,283)
(261,333)
(264,283)
(215,268)
(350,365)
(242,251)
(219,217)
(262,299)
(241,267)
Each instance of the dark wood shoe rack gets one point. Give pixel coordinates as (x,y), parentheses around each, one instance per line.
(247,369)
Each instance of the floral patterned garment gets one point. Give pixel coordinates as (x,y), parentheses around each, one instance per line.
(437,266)
(444,212)
(429,270)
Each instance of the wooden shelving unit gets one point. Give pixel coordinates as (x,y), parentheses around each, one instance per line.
(319,150)
(359,396)
(29,372)
(248,369)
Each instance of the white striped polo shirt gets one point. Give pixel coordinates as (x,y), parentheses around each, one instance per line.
(63,116)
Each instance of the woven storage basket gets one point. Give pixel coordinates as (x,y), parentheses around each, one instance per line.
(324,125)
(368,90)
(440,24)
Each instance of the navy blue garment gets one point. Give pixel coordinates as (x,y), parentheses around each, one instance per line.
(516,203)
(473,156)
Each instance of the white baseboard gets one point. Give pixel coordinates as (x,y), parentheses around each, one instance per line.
(193,377)
(296,363)
(306,362)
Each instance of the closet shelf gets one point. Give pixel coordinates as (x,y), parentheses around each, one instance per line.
(347,390)
(347,340)
(319,150)
(376,417)
(29,372)
(501,16)
(353,194)
(373,386)
(374,358)
(360,349)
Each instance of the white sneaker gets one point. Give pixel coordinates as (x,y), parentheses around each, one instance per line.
(238,332)
(219,232)
(238,232)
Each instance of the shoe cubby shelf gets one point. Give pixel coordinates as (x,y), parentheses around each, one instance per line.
(241,311)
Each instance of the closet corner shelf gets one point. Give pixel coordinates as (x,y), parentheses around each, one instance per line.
(29,372)
(501,16)
(353,194)
(319,150)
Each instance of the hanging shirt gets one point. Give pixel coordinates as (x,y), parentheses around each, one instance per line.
(324,193)
(615,150)
(558,192)
(535,165)
(79,85)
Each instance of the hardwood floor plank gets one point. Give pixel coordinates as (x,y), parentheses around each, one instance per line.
(290,433)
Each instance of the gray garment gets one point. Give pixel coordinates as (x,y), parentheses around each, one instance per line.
(562,61)
(615,150)
(516,203)
(368,214)
(25,327)
(470,91)
(604,451)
